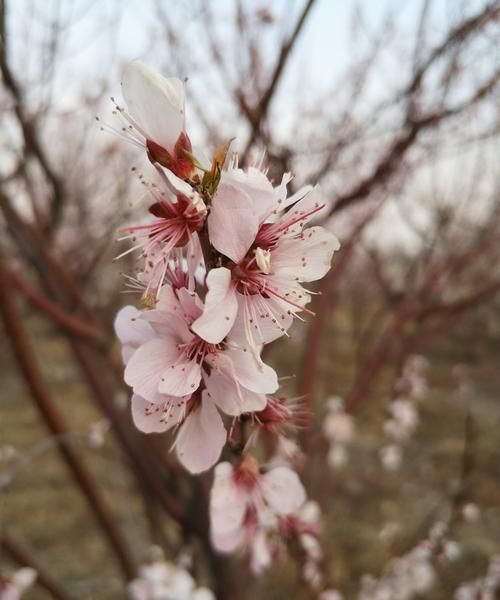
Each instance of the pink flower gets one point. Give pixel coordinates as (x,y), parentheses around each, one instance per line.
(179,214)
(177,360)
(180,379)
(269,254)
(201,434)
(155,117)
(279,417)
(245,505)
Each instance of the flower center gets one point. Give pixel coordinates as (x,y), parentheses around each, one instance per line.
(197,349)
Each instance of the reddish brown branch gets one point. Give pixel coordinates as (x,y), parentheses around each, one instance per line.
(23,559)
(29,130)
(415,124)
(72,324)
(34,247)
(324,306)
(26,361)
(258,115)
(145,465)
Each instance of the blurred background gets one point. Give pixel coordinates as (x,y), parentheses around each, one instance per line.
(393,107)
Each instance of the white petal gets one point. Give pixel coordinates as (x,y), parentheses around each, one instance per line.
(311,206)
(180,584)
(201,438)
(132,330)
(254,183)
(282,490)
(220,307)
(231,398)
(302,193)
(202,593)
(148,364)
(232,223)
(261,553)
(194,260)
(25,577)
(155,103)
(259,320)
(228,505)
(305,258)
(182,377)
(242,366)
(158,416)
(191,304)
(175,184)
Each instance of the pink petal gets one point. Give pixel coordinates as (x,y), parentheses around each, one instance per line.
(157,417)
(168,300)
(168,317)
(201,438)
(243,366)
(260,553)
(302,193)
(194,259)
(231,398)
(228,506)
(257,186)
(155,103)
(259,320)
(181,377)
(174,184)
(290,296)
(282,490)
(148,364)
(190,303)
(132,330)
(232,223)
(305,258)
(220,307)
(308,207)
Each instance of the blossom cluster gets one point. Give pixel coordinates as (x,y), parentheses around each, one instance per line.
(414,573)
(338,429)
(483,588)
(403,412)
(222,254)
(160,579)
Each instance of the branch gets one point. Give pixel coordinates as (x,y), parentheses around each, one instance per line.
(29,129)
(20,556)
(27,364)
(258,115)
(72,324)
(413,125)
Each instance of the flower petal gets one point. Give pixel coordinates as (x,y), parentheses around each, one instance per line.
(155,103)
(232,223)
(157,417)
(194,260)
(202,593)
(228,506)
(259,320)
(282,490)
(201,438)
(305,258)
(260,557)
(148,364)
(181,377)
(220,307)
(132,330)
(191,304)
(232,398)
(255,376)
